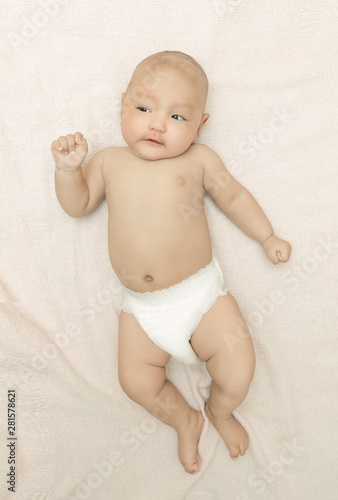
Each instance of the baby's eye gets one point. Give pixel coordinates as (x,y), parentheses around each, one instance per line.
(178,117)
(144,110)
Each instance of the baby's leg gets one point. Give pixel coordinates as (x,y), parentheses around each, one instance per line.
(142,376)
(222,339)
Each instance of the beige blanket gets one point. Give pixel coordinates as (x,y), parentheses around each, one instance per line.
(273,71)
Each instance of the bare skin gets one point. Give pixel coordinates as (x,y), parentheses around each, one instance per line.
(158,235)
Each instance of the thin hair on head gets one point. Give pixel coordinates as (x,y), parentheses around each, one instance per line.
(175,59)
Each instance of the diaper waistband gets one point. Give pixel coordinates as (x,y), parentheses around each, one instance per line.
(209,275)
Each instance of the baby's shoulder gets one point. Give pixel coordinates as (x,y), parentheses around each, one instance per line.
(113,152)
(113,155)
(203,152)
(198,147)
(110,158)
(201,149)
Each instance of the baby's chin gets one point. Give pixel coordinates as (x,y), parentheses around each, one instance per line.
(154,152)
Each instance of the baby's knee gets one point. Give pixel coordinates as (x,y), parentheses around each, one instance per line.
(132,387)
(233,378)
(141,383)
(239,384)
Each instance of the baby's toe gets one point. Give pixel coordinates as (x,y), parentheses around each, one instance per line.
(242,449)
(195,467)
(234,451)
(191,466)
(244,446)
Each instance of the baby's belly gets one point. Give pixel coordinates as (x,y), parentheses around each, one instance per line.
(152,258)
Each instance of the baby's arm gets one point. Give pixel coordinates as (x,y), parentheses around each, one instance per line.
(79,192)
(238,204)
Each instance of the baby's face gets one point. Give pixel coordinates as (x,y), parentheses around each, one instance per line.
(162,113)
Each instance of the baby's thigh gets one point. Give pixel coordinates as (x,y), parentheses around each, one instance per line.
(141,363)
(135,346)
(223,331)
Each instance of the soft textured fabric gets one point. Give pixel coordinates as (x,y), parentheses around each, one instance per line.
(170,316)
(273,70)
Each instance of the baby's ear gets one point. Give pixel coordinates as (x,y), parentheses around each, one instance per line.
(205,118)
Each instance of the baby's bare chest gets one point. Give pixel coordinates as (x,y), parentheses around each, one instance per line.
(155,192)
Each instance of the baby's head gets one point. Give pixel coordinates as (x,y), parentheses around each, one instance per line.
(163,107)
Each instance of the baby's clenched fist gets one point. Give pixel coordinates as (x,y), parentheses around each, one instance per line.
(276,249)
(69,151)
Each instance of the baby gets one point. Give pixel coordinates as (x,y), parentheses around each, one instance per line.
(175,303)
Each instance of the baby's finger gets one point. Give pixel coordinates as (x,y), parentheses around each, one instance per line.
(274,258)
(81,145)
(56,146)
(283,254)
(71,142)
(64,144)
(78,137)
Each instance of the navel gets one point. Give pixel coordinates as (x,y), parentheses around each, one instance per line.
(149,278)
(180,180)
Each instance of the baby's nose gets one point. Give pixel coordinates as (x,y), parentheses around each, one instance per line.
(158,124)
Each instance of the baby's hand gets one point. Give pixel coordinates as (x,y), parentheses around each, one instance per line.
(69,151)
(276,249)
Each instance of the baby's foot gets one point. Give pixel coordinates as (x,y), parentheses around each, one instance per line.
(233,434)
(188,436)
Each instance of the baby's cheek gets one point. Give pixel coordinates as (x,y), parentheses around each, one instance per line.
(128,130)
(136,126)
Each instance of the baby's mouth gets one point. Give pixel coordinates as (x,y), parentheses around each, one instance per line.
(152,141)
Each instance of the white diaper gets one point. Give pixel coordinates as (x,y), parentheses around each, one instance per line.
(170,316)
